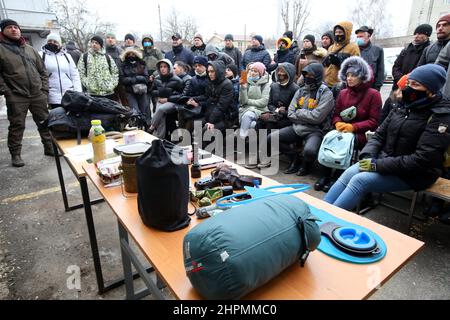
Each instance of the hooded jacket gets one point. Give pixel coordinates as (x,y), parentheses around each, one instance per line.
(349,49)
(444,60)
(62,74)
(315,56)
(281,95)
(255,96)
(133,73)
(151,55)
(258,54)
(411,142)
(282,56)
(22,71)
(169,86)
(374,56)
(366,100)
(218,106)
(220,56)
(310,109)
(407,61)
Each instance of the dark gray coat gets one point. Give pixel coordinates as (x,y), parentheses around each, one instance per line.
(374,56)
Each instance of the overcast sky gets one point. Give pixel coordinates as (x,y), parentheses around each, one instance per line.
(230,16)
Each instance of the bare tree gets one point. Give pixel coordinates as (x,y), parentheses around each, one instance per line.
(373,13)
(295,14)
(77,23)
(176,23)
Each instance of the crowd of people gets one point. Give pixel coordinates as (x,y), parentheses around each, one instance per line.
(299,94)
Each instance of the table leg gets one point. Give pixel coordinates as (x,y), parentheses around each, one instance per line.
(60,177)
(126,263)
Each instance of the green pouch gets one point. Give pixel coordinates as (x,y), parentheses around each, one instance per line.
(205,198)
(348,114)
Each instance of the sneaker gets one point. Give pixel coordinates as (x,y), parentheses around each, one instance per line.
(251,166)
(264,165)
(17,161)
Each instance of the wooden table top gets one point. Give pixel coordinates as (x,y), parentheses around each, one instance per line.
(322,278)
(76,163)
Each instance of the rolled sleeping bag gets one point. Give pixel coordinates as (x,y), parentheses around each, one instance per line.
(235,252)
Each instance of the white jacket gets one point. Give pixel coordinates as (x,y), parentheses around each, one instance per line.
(62,74)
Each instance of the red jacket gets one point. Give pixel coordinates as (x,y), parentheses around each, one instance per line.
(368,104)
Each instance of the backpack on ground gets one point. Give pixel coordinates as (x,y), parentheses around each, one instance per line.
(336,150)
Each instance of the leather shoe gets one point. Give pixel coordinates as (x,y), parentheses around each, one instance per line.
(17,161)
(321,183)
(328,186)
(303,171)
(293,167)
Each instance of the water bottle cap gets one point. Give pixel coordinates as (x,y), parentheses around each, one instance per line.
(96,122)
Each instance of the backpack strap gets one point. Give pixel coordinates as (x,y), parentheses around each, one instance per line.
(85,57)
(108,59)
(43,56)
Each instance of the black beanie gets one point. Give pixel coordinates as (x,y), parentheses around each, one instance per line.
(130,37)
(98,39)
(311,38)
(289,34)
(330,35)
(233,68)
(425,29)
(7,22)
(229,37)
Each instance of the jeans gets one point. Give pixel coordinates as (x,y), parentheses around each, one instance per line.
(139,103)
(248,121)
(353,185)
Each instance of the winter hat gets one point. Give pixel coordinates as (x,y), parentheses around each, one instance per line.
(311,38)
(285,40)
(289,34)
(7,22)
(201,60)
(432,76)
(259,66)
(229,37)
(111,35)
(233,68)
(98,39)
(198,36)
(365,29)
(444,18)
(425,29)
(54,37)
(129,36)
(358,66)
(259,38)
(402,82)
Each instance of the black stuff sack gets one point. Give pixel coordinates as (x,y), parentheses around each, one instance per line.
(163,187)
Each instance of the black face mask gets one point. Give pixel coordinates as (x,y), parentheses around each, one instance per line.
(410,95)
(310,81)
(132,59)
(51,47)
(339,38)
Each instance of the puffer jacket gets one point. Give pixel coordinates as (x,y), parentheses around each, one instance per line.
(374,56)
(169,86)
(186,79)
(431,53)
(199,51)
(197,88)
(236,55)
(62,74)
(280,57)
(412,141)
(220,56)
(281,95)
(310,109)
(255,96)
(151,55)
(219,104)
(350,49)
(100,79)
(133,73)
(22,71)
(258,54)
(366,100)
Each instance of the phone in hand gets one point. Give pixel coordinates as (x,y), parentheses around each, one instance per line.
(302,56)
(243,79)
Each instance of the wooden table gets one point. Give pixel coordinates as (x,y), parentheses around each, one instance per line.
(322,277)
(76,165)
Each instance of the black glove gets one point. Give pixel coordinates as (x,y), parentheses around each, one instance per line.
(335,60)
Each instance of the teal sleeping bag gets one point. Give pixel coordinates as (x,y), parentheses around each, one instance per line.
(239,250)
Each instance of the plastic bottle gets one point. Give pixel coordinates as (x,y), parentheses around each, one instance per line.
(98,139)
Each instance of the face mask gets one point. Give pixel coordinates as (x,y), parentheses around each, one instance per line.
(410,95)
(200,74)
(147,44)
(360,42)
(254,79)
(311,82)
(339,38)
(132,59)
(51,47)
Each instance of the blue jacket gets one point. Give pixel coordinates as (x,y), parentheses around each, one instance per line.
(180,54)
(281,57)
(259,54)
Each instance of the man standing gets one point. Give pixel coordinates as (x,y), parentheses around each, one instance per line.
(431,53)
(74,52)
(198,49)
(373,55)
(408,59)
(114,52)
(256,53)
(130,42)
(327,39)
(232,51)
(99,75)
(178,52)
(24,83)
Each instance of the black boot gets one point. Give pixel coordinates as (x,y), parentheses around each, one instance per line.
(321,183)
(328,186)
(17,161)
(294,166)
(48,150)
(304,169)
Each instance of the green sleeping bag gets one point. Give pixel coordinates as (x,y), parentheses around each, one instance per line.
(239,250)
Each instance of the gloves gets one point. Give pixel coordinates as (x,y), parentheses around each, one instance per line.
(334,59)
(369,165)
(344,127)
